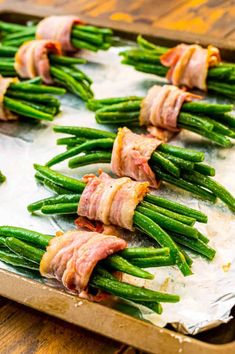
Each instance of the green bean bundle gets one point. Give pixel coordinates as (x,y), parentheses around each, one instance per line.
(155,216)
(82,36)
(25,248)
(174,165)
(146,58)
(210,120)
(63,71)
(32,99)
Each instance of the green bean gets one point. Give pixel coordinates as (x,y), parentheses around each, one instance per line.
(215,137)
(21,33)
(154,306)
(25,235)
(128,106)
(105,143)
(8,51)
(11,27)
(63,181)
(36,81)
(186,256)
(95,104)
(116,262)
(206,107)
(169,224)
(32,88)
(49,110)
(165,163)
(221,128)
(92,29)
(2,177)
(25,110)
(194,121)
(176,207)
(79,44)
(221,88)
(70,141)
(219,73)
(69,82)
(7,66)
(149,227)
(225,118)
(203,238)
(82,132)
(204,169)
(182,164)
(75,73)
(17,42)
(196,245)
(60,199)
(60,59)
(131,292)
(144,252)
(95,157)
(52,186)
(215,187)
(43,98)
(182,183)
(94,39)
(16,261)
(24,250)
(60,209)
(117,118)
(143,43)
(176,216)
(2,241)
(182,153)
(148,262)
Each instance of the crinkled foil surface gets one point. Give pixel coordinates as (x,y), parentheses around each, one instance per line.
(209,294)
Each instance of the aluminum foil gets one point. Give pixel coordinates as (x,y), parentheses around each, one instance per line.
(209,294)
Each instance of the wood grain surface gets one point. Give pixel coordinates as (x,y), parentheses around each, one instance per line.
(26,331)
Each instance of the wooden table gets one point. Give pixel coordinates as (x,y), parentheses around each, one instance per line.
(23,330)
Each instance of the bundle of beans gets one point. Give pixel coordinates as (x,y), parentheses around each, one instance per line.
(44,58)
(165,111)
(184,65)
(70,31)
(83,262)
(28,99)
(170,224)
(142,158)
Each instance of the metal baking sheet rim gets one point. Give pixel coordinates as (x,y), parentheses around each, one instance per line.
(111,323)
(154,338)
(162,35)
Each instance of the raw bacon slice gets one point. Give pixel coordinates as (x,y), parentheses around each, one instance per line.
(32,59)
(6,114)
(58,28)
(72,257)
(130,156)
(111,201)
(189,64)
(162,105)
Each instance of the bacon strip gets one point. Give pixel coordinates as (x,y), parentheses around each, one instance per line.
(162,105)
(130,156)
(6,114)
(189,64)
(72,257)
(111,201)
(58,28)
(32,59)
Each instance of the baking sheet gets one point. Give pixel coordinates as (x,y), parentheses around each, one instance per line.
(209,294)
